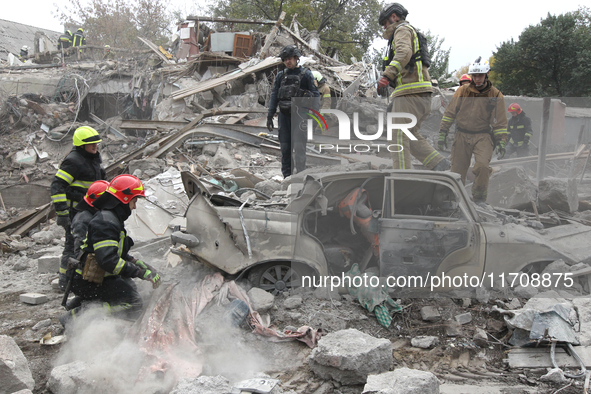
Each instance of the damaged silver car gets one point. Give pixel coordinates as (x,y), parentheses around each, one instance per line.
(397,223)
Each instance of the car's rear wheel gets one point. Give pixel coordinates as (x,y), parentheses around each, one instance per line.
(278,277)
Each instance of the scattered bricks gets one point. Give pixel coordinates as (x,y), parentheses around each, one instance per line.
(430,313)
(464,318)
(48,264)
(33,298)
(424,342)
(480,338)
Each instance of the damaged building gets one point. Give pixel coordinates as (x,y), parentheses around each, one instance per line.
(257,269)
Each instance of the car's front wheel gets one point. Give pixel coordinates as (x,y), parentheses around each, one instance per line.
(278,277)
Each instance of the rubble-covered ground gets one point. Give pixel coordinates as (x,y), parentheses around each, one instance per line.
(447,345)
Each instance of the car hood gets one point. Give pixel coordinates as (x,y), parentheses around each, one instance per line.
(570,240)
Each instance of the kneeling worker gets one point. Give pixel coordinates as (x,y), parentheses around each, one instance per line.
(108,268)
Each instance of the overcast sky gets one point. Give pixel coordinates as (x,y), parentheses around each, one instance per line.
(471,29)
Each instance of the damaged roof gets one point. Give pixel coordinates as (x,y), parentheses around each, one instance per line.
(14,35)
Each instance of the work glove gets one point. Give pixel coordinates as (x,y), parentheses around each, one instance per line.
(270,123)
(64,221)
(525,141)
(501,149)
(152,276)
(383,83)
(442,143)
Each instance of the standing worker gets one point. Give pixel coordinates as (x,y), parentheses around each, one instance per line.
(465,80)
(325,97)
(405,68)
(65,40)
(79,40)
(294,81)
(80,168)
(108,268)
(479,109)
(520,131)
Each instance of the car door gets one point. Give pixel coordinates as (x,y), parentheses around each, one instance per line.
(427,229)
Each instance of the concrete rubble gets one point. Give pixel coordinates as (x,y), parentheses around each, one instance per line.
(204,113)
(15,374)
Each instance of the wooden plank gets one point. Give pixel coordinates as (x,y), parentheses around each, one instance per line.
(540,357)
(43,212)
(232,75)
(327,59)
(110,128)
(231,20)
(156,50)
(23,217)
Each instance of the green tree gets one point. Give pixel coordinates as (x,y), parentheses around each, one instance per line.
(118,22)
(439,58)
(346,26)
(552,58)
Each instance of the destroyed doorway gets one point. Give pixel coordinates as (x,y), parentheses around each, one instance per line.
(426,229)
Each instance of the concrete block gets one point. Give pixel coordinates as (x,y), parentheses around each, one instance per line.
(453,329)
(25,158)
(464,318)
(558,194)
(292,302)
(70,378)
(33,298)
(55,284)
(43,237)
(260,300)
(430,313)
(203,384)
(349,356)
(402,381)
(48,264)
(511,188)
(15,374)
(424,342)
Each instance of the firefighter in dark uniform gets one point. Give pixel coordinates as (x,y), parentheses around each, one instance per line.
(77,172)
(520,131)
(294,81)
(108,269)
(78,39)
(85,211)
(65,40)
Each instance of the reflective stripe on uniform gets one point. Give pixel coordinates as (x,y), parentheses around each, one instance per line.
(62,213)
(395,63)
(326,95)
(65,176)
(430,157)
(59,198)
(119,266)
(414,85)
(103,244)
(82,184)
(63,270)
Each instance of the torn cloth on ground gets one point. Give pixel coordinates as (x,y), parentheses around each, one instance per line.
(374,299)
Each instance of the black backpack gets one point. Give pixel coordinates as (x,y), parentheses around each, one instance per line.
(290,87)
(421,54)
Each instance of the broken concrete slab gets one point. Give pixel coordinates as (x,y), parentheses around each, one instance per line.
(480,337)
(24,158)
(464,318)
(48,264)
(583,308)
(402,381)
(33,298)
(223,159)
(349,356)
(260,300)
(430,313)
(149,167)
(558,194)
(41,324)
(453,328)
(511,188)
(424,341)
(268,187)
(43,237)
(292,302)
(70,378)
(203,385)
(15,374)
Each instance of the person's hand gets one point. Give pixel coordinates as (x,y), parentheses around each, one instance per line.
(442,143)
(383,82)
(501,150)
(270,123)
(63,221)
(150,275)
